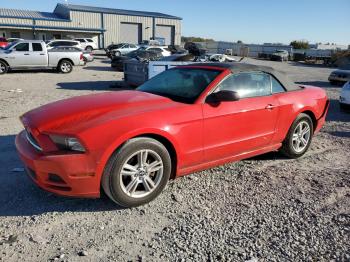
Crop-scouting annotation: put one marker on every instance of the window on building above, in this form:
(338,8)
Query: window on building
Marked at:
(57,36)
(248,84)
(22,47)
(15,35)
(37,47)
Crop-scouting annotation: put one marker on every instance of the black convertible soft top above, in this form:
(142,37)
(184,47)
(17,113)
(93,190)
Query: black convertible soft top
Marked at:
(237,67)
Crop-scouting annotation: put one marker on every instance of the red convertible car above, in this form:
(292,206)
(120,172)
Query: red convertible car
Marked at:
(190,118)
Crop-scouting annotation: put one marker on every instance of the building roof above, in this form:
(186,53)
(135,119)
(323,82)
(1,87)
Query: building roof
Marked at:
(84,8)
(237,67)
(16,13)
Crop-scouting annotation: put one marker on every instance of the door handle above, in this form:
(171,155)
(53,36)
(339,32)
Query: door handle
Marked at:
(42,54)
(26,54)
(270,107)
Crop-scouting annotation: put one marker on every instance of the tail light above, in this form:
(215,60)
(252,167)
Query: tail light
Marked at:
(81,56)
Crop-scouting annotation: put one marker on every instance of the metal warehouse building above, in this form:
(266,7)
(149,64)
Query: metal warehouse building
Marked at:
(105,25)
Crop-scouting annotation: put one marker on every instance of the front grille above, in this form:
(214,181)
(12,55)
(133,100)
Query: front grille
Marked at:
(32,141)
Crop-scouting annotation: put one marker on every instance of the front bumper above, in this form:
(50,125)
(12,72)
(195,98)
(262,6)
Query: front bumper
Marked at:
(63,174)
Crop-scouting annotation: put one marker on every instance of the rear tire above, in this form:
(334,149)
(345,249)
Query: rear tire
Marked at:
(89,49)
(65,67)
(299,137)
(3,68)
(137,172)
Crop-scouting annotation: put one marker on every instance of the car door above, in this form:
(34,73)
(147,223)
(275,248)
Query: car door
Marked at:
(125,49)
(133,48)
(237,127)
(20,55)
(38,55)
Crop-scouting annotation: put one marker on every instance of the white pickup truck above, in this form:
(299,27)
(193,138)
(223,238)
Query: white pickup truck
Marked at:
(33,54)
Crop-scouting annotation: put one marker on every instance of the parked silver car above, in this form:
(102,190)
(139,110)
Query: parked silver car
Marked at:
(33,54)
(55,43)
(280,55)
(339,76)
(87,56)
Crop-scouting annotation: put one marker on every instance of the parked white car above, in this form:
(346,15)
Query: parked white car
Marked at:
(344,99)
(162,49)
(87,44)
(33,54)
(55,43)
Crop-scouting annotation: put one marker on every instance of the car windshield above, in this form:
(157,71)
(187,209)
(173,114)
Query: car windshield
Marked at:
(180,84)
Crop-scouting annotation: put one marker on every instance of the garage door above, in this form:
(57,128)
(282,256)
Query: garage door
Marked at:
(167,32)
(130,33)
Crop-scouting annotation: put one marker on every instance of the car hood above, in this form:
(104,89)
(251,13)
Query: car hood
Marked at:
(69,114)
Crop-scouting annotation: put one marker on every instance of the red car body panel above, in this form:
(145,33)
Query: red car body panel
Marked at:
(200,134)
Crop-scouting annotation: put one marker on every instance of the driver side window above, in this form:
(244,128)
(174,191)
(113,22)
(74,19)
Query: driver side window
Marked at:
(22,47)
(251,84)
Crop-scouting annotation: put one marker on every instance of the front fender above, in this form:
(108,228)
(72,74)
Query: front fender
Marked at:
(127,136)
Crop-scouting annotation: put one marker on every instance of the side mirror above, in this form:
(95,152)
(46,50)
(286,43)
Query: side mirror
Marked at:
(223,96)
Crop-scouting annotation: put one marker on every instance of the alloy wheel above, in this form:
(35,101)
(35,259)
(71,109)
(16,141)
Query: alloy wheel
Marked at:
(2,68)
(301,136)
(66,67)
(141,173)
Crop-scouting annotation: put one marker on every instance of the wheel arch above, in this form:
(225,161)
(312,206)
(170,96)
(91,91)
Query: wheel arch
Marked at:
(3,60)
(159,135)
(62,59)
(312,116)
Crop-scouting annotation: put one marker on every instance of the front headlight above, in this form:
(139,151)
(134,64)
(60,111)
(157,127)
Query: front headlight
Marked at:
(67,143)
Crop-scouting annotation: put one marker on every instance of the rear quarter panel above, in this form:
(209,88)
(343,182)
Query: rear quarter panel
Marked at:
(55,57)
(293,103)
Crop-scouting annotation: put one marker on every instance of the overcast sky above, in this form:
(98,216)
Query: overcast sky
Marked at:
(252,21)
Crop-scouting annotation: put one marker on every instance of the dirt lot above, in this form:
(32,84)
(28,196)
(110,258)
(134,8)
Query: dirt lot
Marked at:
(262,209)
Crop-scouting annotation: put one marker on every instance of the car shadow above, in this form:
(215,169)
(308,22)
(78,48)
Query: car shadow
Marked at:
(20,197)
(301,64)
(343,134)
(32,71)
(324,84)
(106,61)
(99,68)
(269,156)
(336,114)
(94,85)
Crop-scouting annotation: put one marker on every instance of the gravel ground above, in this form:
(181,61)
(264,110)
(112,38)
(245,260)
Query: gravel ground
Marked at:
(263,209)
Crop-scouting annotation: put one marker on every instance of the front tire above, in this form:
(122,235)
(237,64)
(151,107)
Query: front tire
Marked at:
(65,67)
(3,68)
(299,137)
(137,172)
(89,49)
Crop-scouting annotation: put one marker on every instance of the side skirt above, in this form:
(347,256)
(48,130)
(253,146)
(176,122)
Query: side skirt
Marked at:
(207,165)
